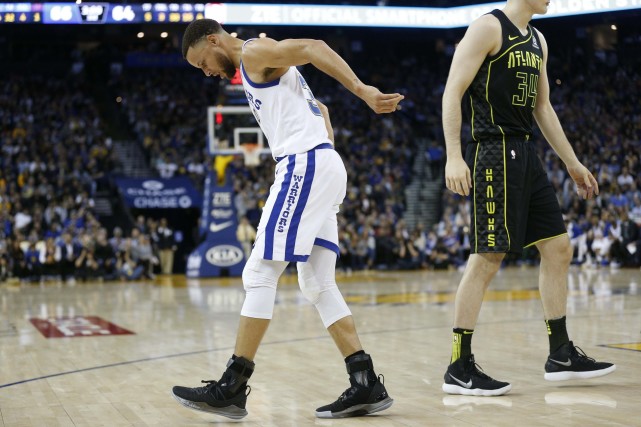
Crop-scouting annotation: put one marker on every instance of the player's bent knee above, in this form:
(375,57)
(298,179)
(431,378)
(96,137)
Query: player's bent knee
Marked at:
(331,305)
(309,286)
(260,273)
(324,295)
(260,278)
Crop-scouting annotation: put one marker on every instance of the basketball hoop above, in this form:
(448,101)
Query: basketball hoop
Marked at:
(251,153)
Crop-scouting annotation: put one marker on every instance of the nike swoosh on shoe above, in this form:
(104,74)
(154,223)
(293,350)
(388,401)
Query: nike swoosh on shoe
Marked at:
(466,385)
(568,363)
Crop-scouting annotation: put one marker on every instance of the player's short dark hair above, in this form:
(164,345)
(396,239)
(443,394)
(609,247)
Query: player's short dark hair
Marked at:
(198,30)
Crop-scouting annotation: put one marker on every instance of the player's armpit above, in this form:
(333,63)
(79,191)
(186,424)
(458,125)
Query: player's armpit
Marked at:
(328,123)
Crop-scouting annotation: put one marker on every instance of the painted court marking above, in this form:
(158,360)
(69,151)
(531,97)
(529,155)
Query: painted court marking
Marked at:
(77,326)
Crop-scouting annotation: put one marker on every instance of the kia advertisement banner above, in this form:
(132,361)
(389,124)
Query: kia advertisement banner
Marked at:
(159,193)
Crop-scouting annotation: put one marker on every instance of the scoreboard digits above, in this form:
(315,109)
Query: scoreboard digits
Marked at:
(99,13)
(123,14)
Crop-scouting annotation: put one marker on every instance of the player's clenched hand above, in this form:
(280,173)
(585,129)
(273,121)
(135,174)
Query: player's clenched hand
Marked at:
(586,184)
(378,101)
(457,176)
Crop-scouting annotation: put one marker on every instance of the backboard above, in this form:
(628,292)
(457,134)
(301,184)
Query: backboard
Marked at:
(229,127)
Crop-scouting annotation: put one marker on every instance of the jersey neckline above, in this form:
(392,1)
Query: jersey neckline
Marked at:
(254,84)
(515,28)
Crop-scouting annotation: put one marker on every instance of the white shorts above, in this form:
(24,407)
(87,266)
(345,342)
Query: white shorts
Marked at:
(301,209)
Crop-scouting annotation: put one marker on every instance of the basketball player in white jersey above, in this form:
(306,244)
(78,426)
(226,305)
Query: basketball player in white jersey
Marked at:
(298,223)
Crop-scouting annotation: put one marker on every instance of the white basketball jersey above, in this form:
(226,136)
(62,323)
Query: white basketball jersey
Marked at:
(287,112)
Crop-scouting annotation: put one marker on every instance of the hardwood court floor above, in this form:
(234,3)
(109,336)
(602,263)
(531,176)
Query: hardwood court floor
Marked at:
(184,331)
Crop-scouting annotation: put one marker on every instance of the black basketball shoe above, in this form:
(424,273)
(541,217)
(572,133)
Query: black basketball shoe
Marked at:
(465,377)
(358,401)
(212,398)
(571,363)
(226,397)
(366,395)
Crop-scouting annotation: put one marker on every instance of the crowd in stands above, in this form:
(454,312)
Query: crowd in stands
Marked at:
(54,157)
(83,251)
(167,111)
(49,228)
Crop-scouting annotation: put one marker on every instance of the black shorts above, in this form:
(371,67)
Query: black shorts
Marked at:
(513,202)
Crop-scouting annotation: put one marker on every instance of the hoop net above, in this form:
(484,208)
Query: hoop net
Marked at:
(251,154)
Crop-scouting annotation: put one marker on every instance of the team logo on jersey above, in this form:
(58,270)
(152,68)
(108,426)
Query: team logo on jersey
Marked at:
(535,44)
(294,192)
(309,96)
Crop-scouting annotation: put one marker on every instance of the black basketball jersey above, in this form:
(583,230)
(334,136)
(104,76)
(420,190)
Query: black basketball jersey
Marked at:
(503,93)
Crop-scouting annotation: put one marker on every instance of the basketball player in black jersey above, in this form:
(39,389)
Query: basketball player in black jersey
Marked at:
(501,64)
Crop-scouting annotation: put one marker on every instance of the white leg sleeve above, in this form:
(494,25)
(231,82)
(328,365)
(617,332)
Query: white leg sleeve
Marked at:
(317,281)
(260,278)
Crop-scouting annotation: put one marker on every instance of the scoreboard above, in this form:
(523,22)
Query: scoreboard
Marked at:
(81,12)
(99,13)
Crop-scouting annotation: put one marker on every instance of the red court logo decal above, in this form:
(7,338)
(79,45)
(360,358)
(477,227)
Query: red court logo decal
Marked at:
(77,326)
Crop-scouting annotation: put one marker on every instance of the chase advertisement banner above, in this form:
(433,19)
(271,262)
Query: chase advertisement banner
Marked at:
(159,193)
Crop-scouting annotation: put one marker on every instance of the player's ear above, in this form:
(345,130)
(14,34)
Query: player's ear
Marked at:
(213,39)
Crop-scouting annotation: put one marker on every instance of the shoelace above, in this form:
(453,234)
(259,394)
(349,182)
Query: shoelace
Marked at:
(217,389)
(477,370)
(348,393)
(578,352)
(352,390)
(213,388)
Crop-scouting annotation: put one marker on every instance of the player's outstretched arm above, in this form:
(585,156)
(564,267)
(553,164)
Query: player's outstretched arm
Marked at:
(482,37)
(267,53)
(550,126)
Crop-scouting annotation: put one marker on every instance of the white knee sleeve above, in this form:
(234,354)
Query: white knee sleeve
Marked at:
(318,285)
(310,286)
(260,278)
(331,306)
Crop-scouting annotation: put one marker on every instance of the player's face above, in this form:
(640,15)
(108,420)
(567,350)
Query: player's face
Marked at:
(212,59)
(539,7)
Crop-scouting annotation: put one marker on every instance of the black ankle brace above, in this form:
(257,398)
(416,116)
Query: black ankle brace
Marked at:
(238,372)
(241,366)
(359,362)
(361,369)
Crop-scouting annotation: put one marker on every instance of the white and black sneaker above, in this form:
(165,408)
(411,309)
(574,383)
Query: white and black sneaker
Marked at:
(465,377)
(571,363)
